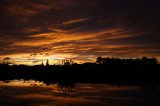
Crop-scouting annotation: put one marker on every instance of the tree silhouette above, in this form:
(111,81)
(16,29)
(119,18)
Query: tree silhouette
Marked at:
(8,61)
(47,63)
(67,62)
(118,61)
(99,60)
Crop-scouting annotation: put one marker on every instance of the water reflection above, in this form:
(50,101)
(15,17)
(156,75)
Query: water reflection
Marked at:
(21,83)
(36,93)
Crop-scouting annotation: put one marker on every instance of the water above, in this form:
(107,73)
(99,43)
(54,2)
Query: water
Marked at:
(35,93)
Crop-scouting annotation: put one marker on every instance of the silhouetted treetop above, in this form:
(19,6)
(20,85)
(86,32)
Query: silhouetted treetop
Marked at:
(118,61)
(8,61)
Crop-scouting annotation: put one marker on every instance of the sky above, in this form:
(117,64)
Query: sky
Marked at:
(32,31)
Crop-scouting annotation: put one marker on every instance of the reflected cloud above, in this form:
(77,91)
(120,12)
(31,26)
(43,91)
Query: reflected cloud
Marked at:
(84,94)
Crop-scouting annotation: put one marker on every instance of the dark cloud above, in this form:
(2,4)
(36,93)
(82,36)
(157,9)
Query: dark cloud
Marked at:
(81,27)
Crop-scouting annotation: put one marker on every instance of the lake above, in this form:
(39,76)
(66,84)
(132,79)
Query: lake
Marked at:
(36,93)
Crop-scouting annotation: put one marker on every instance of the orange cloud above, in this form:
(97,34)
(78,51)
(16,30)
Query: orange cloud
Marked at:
(27,9)
(75,21)
(61,44)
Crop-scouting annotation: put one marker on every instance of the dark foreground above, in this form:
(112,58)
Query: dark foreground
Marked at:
(35,93)
(80,85)
(144,75)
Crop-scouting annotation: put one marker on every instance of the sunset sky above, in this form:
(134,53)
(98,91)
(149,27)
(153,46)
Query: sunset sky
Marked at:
(32,31)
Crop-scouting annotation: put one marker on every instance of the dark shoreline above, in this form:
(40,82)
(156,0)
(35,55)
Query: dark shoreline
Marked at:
(145,75)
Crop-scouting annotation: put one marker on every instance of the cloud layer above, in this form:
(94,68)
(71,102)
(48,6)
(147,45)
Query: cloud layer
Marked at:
(79,29)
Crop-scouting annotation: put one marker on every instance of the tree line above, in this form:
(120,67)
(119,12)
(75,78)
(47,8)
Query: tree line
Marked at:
(118,61)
